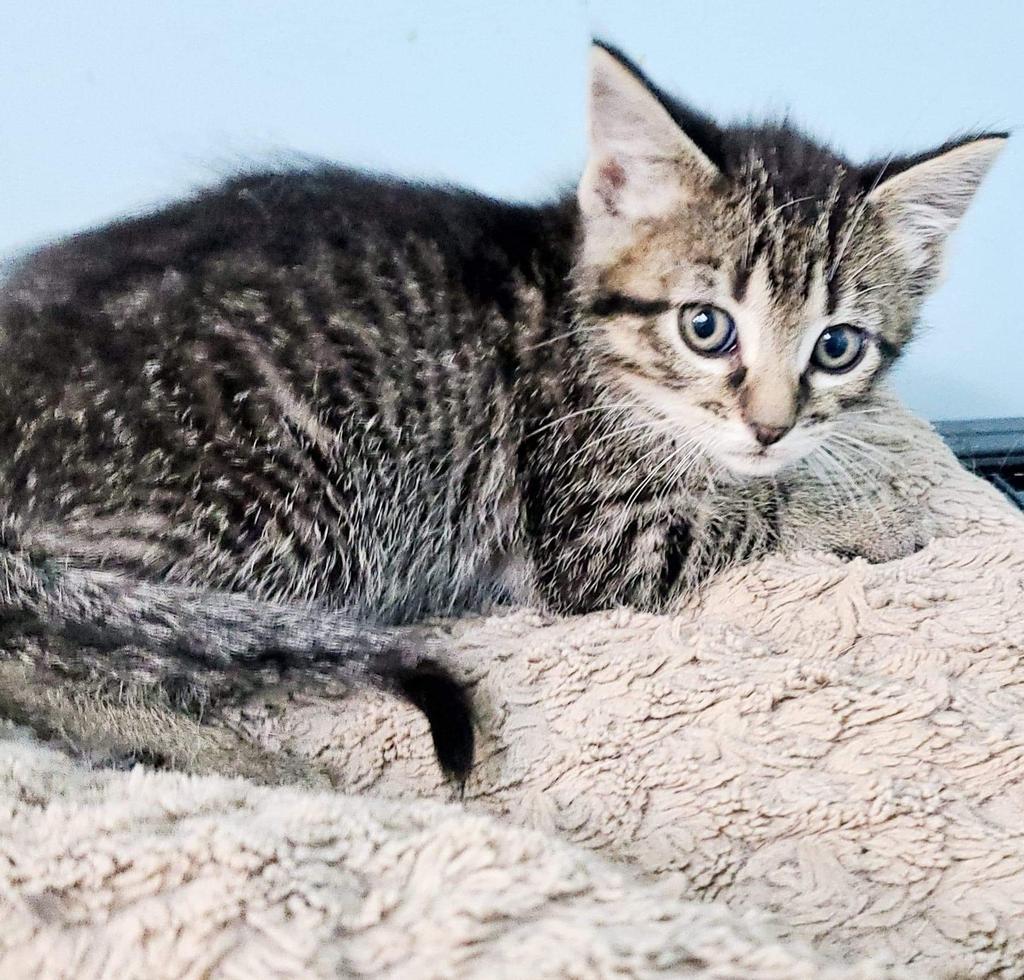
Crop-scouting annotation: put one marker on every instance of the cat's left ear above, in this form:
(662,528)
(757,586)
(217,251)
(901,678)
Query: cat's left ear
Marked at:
(924,201)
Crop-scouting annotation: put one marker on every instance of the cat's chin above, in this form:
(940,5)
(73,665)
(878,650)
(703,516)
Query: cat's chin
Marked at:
(753,464)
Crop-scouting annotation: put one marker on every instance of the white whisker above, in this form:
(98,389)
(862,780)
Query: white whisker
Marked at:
(582,328)
(618,406)
(872,259)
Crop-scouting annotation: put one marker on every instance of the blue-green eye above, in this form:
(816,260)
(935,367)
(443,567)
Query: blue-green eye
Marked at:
(707,329)
(839,348)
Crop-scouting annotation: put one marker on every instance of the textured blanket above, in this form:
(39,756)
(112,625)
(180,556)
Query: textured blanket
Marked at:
(815,769)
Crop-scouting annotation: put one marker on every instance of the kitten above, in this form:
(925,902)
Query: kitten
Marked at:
(276,422)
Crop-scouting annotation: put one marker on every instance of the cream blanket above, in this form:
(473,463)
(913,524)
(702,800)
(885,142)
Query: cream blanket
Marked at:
(816,770)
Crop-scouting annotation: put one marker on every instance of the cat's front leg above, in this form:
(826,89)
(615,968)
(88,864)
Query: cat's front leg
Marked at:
(603,556)
(882,492)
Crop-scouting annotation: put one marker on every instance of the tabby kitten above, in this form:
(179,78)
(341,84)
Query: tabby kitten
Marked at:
(275,422)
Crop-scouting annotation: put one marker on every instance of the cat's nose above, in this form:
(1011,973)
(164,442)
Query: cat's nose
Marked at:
(768,435)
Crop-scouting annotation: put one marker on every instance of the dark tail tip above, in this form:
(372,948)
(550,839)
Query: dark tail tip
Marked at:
(449,711)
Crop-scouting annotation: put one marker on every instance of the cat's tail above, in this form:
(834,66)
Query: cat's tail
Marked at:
(181,630)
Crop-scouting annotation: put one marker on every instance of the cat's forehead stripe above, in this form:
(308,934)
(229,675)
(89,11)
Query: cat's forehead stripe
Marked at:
(740,280)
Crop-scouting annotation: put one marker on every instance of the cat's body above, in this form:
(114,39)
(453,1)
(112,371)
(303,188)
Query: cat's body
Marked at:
(329,387)
(394,401)
(299,385)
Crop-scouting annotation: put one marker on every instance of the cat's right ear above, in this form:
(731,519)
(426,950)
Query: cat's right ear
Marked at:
(641,164)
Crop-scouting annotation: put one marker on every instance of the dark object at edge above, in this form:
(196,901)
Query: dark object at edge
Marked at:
(991,448)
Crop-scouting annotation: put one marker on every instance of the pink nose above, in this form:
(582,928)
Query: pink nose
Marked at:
(767,435)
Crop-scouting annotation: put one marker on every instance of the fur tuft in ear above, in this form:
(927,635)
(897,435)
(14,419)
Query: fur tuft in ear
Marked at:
(924,202)
(641,163)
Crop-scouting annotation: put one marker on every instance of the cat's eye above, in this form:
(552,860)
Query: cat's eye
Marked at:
(707,329)
(839,348)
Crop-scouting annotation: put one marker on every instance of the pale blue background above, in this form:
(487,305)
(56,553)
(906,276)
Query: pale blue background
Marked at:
(107,107)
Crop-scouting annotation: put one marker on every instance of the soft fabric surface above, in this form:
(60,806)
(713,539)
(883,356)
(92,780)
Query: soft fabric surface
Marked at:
(835,744)
(156,875)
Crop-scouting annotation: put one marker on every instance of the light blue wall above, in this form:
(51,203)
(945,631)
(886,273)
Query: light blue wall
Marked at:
(108,106)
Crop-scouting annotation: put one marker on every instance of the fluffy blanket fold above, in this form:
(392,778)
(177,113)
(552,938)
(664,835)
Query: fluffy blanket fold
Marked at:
(815,769)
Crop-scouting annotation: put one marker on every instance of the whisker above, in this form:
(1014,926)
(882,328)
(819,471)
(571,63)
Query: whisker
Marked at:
(871,260)
(857,217)
(688,450)
(843,467)
(581,411)
(884,458)
(870,289)
(647,427)
(582,328)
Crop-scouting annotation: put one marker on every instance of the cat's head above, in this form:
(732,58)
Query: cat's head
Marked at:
(749,286)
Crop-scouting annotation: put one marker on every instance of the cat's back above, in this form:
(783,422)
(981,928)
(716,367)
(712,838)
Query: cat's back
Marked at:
(205,360)
(287,219)
(322,262)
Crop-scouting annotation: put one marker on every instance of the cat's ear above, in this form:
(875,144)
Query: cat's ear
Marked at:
(923,202)
(641,164)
